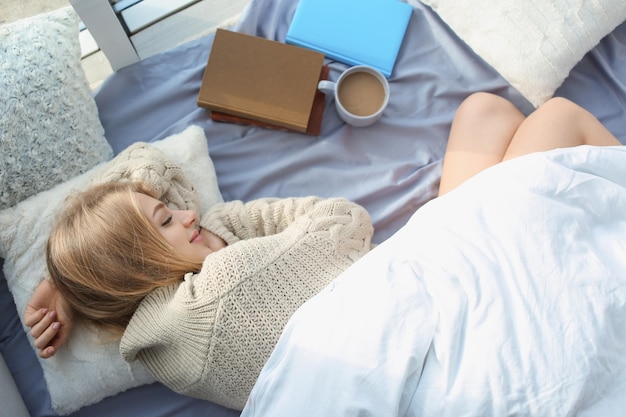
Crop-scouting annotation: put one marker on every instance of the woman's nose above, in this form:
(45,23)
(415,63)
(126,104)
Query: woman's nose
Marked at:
(189,218)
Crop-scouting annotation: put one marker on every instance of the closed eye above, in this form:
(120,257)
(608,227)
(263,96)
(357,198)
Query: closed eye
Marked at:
(167,221)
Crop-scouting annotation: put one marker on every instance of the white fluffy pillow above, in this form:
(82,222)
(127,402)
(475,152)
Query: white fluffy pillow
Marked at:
(87,369)
(49,126)
(533,44)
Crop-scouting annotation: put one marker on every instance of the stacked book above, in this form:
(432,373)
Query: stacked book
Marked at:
(255,81)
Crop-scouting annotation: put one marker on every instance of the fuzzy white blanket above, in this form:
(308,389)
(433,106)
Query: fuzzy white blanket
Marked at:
(533,44)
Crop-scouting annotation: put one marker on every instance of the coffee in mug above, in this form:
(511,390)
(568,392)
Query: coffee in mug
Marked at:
(361,94)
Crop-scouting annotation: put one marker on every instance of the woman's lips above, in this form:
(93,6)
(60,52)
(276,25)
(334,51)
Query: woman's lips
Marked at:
(197,237)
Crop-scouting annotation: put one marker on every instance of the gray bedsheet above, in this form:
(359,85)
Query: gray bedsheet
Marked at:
(392,167)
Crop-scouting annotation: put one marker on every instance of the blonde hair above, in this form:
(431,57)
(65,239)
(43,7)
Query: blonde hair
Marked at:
(104,255)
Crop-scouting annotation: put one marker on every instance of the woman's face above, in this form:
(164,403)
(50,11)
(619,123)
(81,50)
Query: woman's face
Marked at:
(179,228)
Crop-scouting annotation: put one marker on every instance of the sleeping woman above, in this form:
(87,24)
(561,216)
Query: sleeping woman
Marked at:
(202,301)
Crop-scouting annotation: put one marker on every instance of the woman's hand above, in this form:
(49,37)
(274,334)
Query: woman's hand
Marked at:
(212,241)
(49,319)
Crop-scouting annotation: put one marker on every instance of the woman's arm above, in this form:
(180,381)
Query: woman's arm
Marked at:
(236,220)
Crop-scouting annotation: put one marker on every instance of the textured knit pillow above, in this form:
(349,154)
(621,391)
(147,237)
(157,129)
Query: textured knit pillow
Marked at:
(90,368)
(49,126)
(533,44)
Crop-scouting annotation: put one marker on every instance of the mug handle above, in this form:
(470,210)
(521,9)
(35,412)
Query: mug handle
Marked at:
(327,87)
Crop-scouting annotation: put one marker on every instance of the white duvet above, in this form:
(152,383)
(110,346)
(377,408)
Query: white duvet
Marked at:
(505,297)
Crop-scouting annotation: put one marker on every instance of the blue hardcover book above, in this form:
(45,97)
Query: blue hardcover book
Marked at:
(355,32)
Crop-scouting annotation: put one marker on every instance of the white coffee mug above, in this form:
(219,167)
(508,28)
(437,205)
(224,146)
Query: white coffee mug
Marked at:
(361,95)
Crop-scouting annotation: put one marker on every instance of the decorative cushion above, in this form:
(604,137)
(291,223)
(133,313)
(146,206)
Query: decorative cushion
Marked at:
(49,126)
(533,44)
(90,367)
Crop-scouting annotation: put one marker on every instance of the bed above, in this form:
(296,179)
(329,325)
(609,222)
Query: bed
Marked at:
(392,168)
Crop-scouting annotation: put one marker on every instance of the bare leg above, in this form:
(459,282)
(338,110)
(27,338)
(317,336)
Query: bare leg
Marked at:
(559,123)
(488,129)
(481,132)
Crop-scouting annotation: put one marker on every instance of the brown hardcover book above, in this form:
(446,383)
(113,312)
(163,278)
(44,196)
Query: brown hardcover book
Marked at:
(259,79)
(315,119)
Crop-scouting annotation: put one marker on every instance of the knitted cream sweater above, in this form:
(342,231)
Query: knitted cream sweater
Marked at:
(210,336)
